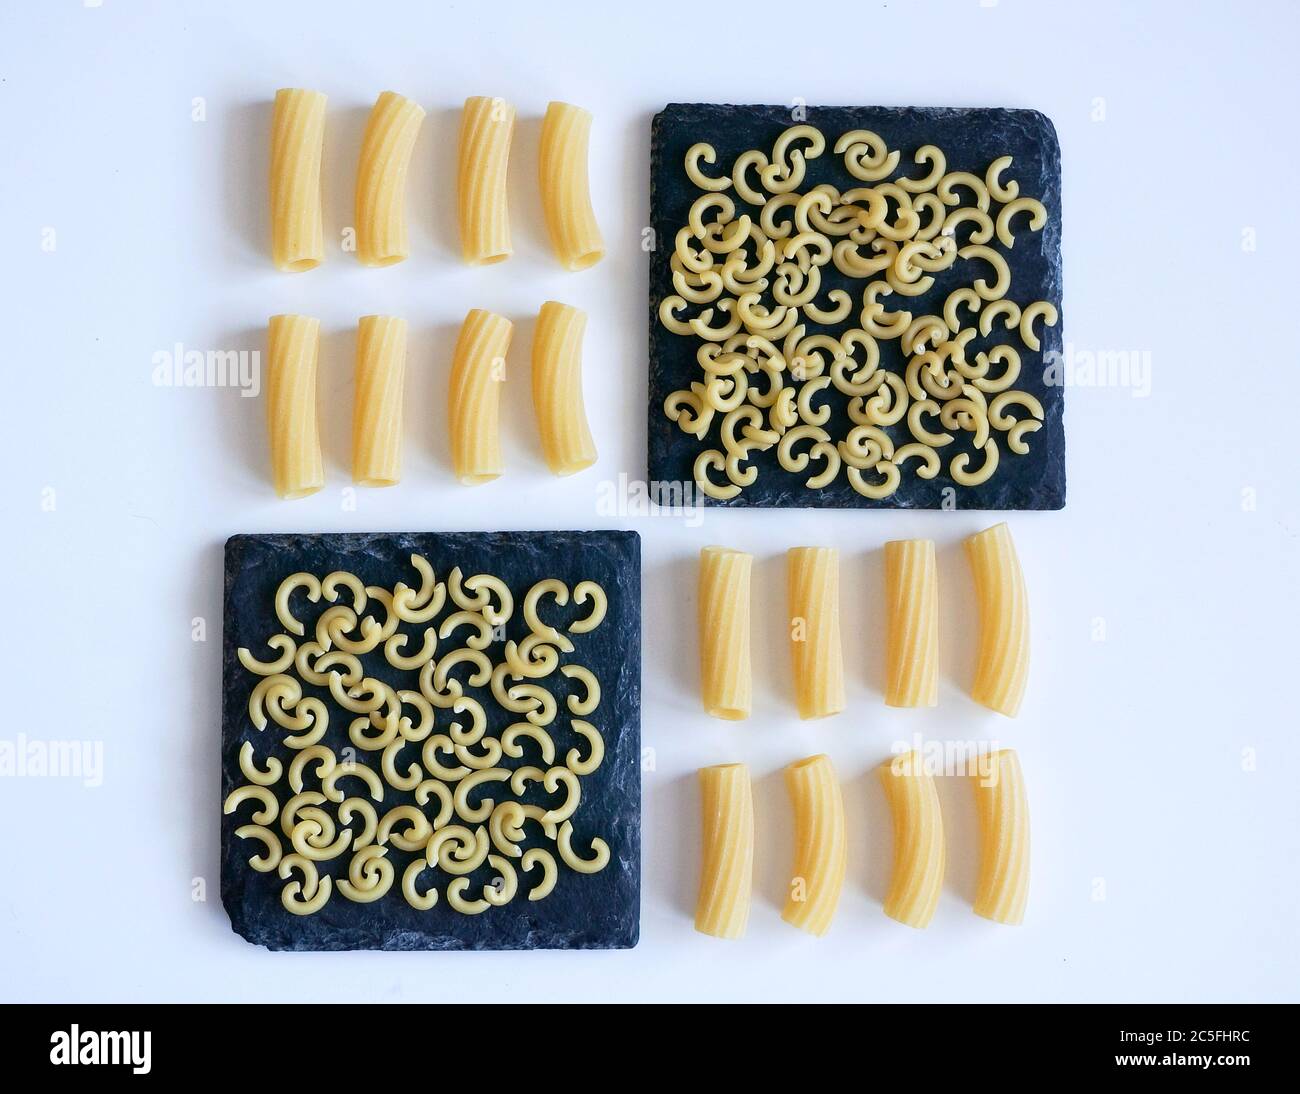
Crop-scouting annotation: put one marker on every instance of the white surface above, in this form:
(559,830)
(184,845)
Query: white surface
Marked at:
(1133,746)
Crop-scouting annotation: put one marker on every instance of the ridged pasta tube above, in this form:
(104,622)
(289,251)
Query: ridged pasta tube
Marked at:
(918,840)
(726,680)
(1003,885)
(813,576)
(377,415)
(486,126)
(557,389)
(566,191)
(297,140)
(386,146)
(474,402)
(727,862)
(1003,665)
(293,348)
(821,844)
(912,624)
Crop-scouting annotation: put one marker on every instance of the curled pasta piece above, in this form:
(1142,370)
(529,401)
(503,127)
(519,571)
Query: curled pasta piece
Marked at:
(359,807)
(1037,218)
(285,591)
(595,750)
(866,155)
(308,896)
(938,162)
(351,769)
(1040,309)
(998,416)
(890,479)
(957,468)
(709,155)
(999,287)
(283,643)
(320,755)
(252,792)
(591,689)
(582,592)
(421,902)
(271,775)
(533,858)
(712,459)
(599,852)
(930,463)
(998,190)
(457,850)
(268,860)
(394,646)
(370,875)
(947,186)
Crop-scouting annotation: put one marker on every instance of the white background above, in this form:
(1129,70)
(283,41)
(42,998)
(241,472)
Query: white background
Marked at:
(1159,734)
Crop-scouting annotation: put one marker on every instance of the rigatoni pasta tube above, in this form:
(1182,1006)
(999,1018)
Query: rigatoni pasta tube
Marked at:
(1002,668)
(486,126)
(474,402)
(911,624)
(557,389)
(293,348)
(918,840)
(726,680)
(813,576)
(727,862)
(821,844)
(566,191)
(297,139)
(1003,886)
(386,148)
(377,414)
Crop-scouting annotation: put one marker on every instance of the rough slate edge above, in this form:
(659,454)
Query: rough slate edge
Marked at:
(1035,481)
(596,911)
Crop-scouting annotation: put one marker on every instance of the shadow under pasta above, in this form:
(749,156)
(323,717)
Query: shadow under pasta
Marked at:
(584,911)
(971,140)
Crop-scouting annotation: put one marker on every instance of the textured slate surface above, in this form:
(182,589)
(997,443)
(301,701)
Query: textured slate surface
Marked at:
(971,140)
(596,911)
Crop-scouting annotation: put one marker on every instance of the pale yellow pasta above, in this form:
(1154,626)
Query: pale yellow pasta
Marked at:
(727,855)
(486,127)
(474,401)
(297,139)
(1043,309)
(725,673)
(270,858)
(248,765)
(421,902)
(911,624)
(1003,886)
(918,840)
(813,577)
(377,414)
(386,147)
(1002,668)
(566,195)
(293,347)
(821,844)
(283,643)
(557,389)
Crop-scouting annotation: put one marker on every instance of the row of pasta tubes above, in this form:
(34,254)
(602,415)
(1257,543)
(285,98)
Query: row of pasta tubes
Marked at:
(821,844)
(911,626)
(473,405)
(382,237)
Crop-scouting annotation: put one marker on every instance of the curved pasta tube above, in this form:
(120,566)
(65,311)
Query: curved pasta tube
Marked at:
(419,605)
(534,857)
(727,858)
(890,478)
(1037,218)
(958,467)
(814,580)
(582,592)
(413,838)
(479,813)
(599,852)
(308,896)
(927,153)
(557,389)
(320,755)
(918,840)
(297,140)
(1039,309)
(1002,668)
(998,190)
(474,404)
(709,155)
(1003,886)
(386,146)
(377,414)
(248,766)
(911,624)
(821,844)
(595,750)
(486,126)
(930,463)
(511,746)
(260,794)
(412,662)
(457,850)
(724,624)
(293,350)
(566,197)
(866,155)
(285,591)
(421,902)
(999,287)
(370,875)
(353,807)
(434,788)
(267,861)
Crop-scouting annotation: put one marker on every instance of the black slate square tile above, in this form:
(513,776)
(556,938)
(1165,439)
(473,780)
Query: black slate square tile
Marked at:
(585,911)
(971,140)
